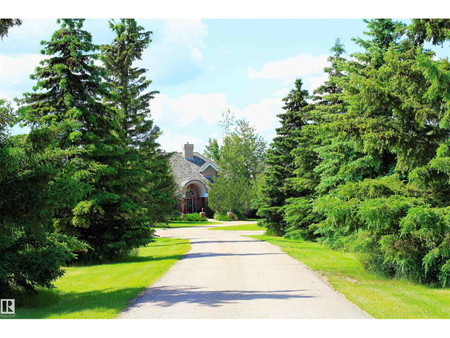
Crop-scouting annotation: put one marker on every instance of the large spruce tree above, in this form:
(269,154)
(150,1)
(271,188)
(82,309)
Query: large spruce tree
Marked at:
(313,168)
(70,91)
(149,182)
(32,190)
(280,161)
(396,207)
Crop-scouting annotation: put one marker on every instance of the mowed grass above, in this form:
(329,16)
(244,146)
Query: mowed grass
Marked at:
(184,224)
(251,226)
(378,296)
(102,291)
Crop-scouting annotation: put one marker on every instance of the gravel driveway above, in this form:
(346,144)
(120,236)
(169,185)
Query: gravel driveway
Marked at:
(229,276)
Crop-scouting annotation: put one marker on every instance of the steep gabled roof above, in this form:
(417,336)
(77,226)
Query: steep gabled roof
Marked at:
(206,165)
(184,170)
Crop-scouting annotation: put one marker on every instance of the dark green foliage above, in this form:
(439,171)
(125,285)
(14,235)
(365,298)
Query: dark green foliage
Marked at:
(222,217)
(375,174)
(391,192)
(6,24)
(70,92)
(191,218)
(277,188)
(319,157)
(31,192)
(208,211)
(149,184)
(435,30)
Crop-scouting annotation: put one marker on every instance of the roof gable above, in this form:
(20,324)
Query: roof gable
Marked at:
(207,165)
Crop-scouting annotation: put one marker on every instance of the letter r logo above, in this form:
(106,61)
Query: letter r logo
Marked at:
(8,307)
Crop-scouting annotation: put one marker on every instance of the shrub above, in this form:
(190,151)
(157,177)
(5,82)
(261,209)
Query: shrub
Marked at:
(191,218)
(400,233)
(221,217)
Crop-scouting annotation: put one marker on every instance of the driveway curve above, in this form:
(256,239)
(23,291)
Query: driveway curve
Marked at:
(226,276)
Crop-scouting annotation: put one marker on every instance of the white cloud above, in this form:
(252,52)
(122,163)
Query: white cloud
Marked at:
(303,65)
(188,32)
(208,109)
(280,93)
(263,114)
(170,141)
(189,108)
(196,54)
(16,69)
(316,82)
(30,29)
(177,52)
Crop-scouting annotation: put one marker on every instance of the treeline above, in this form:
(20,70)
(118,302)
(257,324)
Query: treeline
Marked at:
(363,163)
(89,179)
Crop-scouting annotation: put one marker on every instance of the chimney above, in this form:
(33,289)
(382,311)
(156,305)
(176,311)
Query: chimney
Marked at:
(188,151)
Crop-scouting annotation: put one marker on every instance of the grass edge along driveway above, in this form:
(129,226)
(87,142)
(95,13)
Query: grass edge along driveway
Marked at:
(380,297)
(184,224)
(241,227)
(102,291)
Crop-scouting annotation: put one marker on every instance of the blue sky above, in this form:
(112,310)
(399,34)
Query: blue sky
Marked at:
(204,67)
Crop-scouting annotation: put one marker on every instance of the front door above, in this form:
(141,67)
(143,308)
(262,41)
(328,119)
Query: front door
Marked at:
(190,205)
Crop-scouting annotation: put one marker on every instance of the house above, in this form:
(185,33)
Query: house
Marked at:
(192,172)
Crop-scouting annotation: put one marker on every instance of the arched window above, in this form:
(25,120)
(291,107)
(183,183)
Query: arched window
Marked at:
(190,193)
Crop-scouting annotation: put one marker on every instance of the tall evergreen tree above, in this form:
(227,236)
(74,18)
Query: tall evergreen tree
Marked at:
(280,161)
(32,190)
(149,182)
(397,104)
(313,169)
(70,91)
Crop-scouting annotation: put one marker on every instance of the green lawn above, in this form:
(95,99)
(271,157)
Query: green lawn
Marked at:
(102,291)
(378,296)
(185,224)
(240,227)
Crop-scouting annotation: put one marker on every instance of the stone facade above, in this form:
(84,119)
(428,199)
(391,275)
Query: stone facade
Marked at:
(193,173)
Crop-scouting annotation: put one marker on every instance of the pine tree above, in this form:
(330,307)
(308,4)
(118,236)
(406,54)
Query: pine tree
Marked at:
(391,196)
(149,182)
(280,161)
(435,30)
(32,190)
(313,139)
(70,91)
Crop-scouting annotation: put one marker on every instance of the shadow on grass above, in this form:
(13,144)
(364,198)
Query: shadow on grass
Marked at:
(133,259)
(46,303)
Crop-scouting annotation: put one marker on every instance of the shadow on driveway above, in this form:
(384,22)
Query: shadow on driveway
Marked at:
(168,296)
